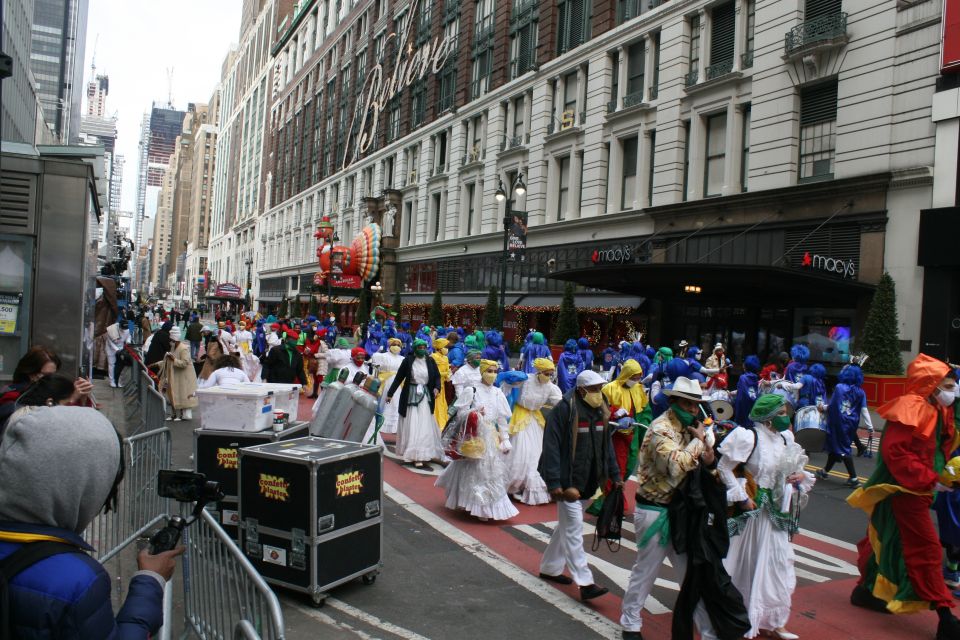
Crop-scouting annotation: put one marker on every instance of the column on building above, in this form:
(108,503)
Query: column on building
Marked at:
(573,195)
(704,45)
(553,184)
(643,168)
(614,176)
(740,33)
(697,156)
(734,158)
(491,132)
(593,173)
(623,59)
(510,119)
(581,99)
(535,173)
(649,66)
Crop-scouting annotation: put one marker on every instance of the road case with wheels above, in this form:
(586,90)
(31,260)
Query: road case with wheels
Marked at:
(310,510)
(217,453)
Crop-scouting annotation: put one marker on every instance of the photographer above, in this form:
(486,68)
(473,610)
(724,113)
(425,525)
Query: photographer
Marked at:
(59,466)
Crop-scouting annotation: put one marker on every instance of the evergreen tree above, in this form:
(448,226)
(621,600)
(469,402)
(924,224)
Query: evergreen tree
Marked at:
(363,307)
(312,309)
(282,309)
(491,315)
(436,310)
(881,335)
(567,325)
(397,306)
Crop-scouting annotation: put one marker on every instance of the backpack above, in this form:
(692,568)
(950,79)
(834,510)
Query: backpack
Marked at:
(610,520)
(18,561)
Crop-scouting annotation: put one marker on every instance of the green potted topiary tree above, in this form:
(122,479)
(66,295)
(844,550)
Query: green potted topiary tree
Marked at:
(883,371)
(567,325)
(436,309)
(282,309)
(491,315)
(397,307)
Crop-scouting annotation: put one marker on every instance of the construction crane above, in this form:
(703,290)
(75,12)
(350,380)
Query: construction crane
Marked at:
(170,87)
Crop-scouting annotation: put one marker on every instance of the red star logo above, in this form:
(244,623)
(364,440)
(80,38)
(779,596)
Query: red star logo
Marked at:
(595,258)
(807,260)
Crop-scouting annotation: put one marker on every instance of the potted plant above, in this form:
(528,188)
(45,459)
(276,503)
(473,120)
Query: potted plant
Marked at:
(568,327)
(883,377)
(436,310)
(491,314)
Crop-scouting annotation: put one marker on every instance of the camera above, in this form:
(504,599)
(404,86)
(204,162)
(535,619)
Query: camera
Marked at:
(182,486)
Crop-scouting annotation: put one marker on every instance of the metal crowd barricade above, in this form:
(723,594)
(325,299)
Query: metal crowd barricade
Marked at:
(153,404)
(224,596)
(139,508)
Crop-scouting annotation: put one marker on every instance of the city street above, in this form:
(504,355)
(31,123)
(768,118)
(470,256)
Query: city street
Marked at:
(449,575)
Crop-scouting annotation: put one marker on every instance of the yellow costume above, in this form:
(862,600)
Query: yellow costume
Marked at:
(439,356)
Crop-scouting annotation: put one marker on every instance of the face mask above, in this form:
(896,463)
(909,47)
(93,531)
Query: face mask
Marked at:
(489,377)
(544,378)
(444,351)
(358,361)
(474,363)
(945,397)
(629,384)
(686,419)
(420,353)
(781,423)
(394,350)
(593,398)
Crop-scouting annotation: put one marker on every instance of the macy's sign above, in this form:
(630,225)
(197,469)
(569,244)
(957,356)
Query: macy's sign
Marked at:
(845,268)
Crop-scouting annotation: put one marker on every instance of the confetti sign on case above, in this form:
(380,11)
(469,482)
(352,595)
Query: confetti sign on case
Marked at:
(274,487)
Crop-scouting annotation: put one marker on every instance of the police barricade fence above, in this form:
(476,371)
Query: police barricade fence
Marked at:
(224,595)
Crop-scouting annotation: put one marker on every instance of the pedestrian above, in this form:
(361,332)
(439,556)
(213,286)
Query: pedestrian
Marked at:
(418,437)
(899,559)
(37,362)
(760,559)
(537,394)
(59,467)
(195,337)
(674,447)
(577,458)
(848,406)
(211,352)
(178,378)
(159,345)
(117,338)
(284,364)
(227,370)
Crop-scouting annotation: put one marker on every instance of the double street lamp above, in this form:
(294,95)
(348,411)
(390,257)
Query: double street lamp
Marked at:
(519,188)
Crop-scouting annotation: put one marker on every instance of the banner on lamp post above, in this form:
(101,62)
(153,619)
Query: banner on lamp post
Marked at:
(517,235)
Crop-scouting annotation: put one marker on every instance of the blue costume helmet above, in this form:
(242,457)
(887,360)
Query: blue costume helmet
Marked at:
(570,346)
(693,352)
(800,353)
(583,343)
(851,375)
(493,338)
(818,371)
(676,368)
(751,364)
(651,353)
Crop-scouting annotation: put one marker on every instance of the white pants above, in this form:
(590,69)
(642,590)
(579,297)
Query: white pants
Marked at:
(649,560)
(566,545)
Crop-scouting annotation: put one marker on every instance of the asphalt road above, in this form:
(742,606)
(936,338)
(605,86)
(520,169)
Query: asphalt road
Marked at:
(446,575)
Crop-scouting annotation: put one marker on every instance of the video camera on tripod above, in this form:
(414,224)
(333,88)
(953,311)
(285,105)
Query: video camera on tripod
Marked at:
(182,486)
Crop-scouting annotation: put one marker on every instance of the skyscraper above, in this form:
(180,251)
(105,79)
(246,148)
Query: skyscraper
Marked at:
(158,136)
(56,59)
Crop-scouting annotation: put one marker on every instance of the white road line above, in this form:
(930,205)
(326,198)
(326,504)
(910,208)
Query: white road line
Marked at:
(325,619)
(373,621)
(812,577)
(827,562)
(824,538)
(588,617)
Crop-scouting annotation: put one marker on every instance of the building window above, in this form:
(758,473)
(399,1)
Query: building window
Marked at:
(448,75)
(818,130)
(471,191)
(563,193)
(570,92)
(747,55)
(745,145)
(393,121)
(441,152)
(636,55)
(573,27)
(686,160)
(650,163)
(423,27)
(436,216)
(628,184)
(716,154)
(615,83)
(482,53)
(482,70)
(819,8)
(523,47)
(722,40)
(519,115)
(654,86)
(628,9)
(694,60)
(418,102)
(408,216)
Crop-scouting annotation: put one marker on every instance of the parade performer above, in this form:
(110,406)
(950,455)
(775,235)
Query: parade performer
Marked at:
(357,364)
(284,364)
(814,391)
(375,339)
(423,333)
(260,340)
(476,481)
(848,406)
(537,392)
(389,363)
(405,338)
(418,438)
(760,559)
(674,447)
(947,506)
(469,374)
(748,390)
(628,404)
(244,339)
(608,359)
(337,359)
(314,358)
(899,559)
(536,349)
(569,366)
(495,350)
(456,352)
(586,353)
(798,366)
(577,459)
(439,356)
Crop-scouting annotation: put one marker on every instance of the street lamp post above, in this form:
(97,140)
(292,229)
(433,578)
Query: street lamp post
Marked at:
(249,263)
(519,188)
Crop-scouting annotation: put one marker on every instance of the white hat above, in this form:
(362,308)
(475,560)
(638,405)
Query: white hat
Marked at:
(589,378)
(684,388)
(175,334)
(718,347)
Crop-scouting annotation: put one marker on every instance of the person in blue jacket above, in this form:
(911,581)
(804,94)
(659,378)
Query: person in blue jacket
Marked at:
(798,365)
(536,349)
(586,353)
(59,466)
(569,366)
(814,391)
(456,352)
(495,350)
(848,406)
(672,369)
(748,390)
(609,358)
(405,338)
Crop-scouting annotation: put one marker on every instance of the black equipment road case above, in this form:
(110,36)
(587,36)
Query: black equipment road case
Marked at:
(217,454)
(311,512)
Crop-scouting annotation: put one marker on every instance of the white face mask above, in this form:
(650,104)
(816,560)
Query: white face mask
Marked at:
(629,384)
(946,397)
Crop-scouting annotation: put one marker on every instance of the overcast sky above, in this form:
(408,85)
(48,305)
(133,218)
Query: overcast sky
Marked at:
(136,41)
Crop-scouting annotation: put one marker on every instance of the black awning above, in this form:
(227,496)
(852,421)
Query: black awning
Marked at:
(728,283)
(939,230)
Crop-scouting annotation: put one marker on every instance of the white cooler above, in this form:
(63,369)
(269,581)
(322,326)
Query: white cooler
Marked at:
(286,397)
(236,408)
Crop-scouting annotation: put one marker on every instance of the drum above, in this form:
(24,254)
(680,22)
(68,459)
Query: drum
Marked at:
(722,410)
(810,429)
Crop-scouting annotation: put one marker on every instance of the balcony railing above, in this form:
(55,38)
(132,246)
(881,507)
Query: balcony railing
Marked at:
(632,99)
(627,9)
(820,29)
(484,30)
(690,79)
(746,59)
(522,10)
(611,106)
(719,69)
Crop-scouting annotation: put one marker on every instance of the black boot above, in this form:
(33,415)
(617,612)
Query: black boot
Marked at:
(592,591)
(861,597)
(948,628)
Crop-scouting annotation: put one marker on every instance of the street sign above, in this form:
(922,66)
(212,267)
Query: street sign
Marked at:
(517,235)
